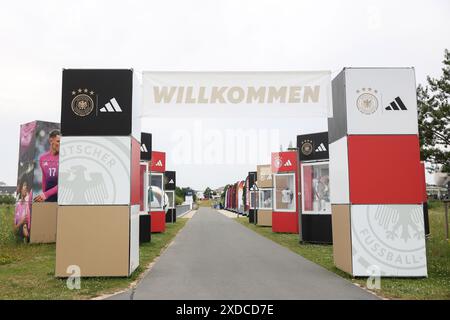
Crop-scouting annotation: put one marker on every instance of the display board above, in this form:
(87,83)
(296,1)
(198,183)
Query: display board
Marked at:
(312,146)
(265,199)
(170,181)
(264,176)
(37,180)
(170,199)
(254,200)
(284,192)
(265,183)
(144,187)
(315,188)
(158,162)
(157,188)
(103,102)
(373,101)
(146,146)
(240,194)
(375,174)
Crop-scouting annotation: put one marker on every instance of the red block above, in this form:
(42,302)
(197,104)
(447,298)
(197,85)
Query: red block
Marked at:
(135,171)
(158,221)
(284,161)
(384,169)
(158,161)
(285,222)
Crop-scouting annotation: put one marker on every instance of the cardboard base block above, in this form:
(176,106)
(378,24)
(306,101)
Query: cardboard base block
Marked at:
(316,228)
(145,234)
(97,239)
(385,239)
(285,222)
(342,242)
(43,222)
(158,223)
(264,218)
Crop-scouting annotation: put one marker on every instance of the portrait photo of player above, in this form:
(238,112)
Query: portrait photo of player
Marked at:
(22,215)
(48,164)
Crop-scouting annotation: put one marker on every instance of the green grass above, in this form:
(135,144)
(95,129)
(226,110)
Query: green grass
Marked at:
(436,286)
(27,270)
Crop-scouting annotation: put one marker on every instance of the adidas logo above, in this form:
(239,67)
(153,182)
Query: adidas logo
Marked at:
(171,181)
(321,148)
(396,105)
(288,163)
(159,163)
(111,106)
(143,148)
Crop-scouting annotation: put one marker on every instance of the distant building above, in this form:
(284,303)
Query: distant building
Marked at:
(435,192)
(8,191)
(200,195)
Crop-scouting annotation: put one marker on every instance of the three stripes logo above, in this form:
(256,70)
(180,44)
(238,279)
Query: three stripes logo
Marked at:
(144,148)
(159,163)
(321,148)
(171,181)
(396,105)
(111,106)
(288,163)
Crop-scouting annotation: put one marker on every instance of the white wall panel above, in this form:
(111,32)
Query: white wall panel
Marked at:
(339,183)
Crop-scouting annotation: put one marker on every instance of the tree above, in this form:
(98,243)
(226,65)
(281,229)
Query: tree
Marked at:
(433,102)
(207,193)
(6,199)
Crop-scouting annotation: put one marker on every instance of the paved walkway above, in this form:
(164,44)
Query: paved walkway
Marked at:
(215,257)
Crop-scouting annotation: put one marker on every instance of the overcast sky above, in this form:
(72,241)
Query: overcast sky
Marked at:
(39,38)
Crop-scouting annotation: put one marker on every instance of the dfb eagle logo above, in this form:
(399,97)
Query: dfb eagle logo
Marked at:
(400,222)
(91,184)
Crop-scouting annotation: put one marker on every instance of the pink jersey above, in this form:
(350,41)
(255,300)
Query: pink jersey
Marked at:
(49,166)
(22,212)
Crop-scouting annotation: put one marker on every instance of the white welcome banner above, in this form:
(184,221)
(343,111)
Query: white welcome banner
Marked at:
(237,94)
